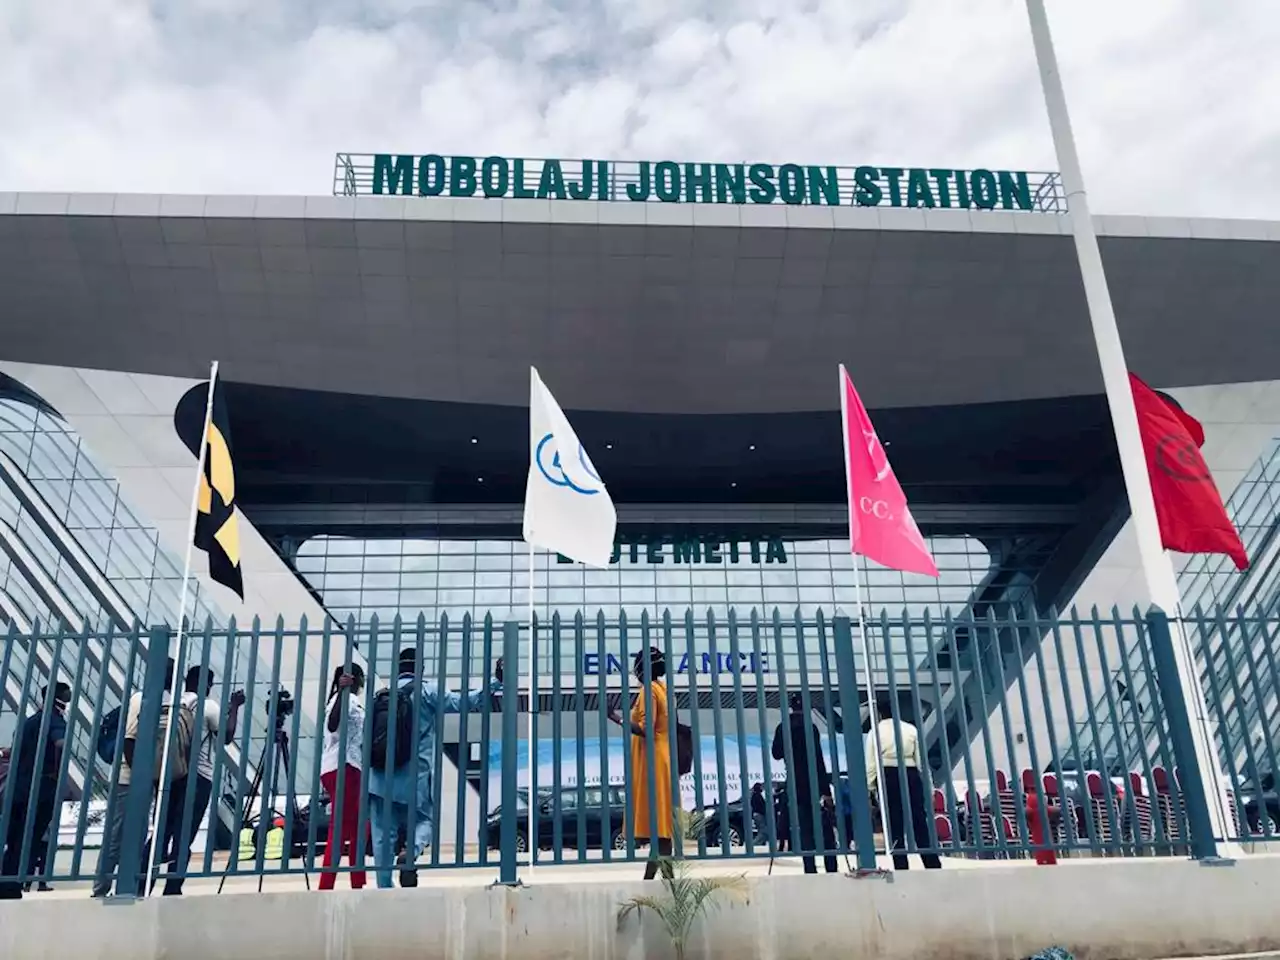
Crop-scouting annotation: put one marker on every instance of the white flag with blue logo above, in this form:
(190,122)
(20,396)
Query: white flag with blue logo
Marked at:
(566,507)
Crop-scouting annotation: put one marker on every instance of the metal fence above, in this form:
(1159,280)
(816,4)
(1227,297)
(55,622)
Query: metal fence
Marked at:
(769,713)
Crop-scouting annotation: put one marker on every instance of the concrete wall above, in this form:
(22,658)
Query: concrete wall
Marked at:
(1119,911)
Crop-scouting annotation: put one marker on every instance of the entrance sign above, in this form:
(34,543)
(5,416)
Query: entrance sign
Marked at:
(668,181)
(695,549)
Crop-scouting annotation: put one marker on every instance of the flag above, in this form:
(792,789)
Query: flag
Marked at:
(881,527)
(566,506)
(1188,505)
(217,533)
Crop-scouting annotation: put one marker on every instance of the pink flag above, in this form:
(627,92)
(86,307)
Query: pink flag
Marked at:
(881,527)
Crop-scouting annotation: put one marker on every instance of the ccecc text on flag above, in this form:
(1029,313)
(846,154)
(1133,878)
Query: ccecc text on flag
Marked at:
(668,181)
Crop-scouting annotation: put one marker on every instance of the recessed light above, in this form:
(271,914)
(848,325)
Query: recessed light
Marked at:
(608,446)
(479,479)
(752,447)
(475,439)
(734,483)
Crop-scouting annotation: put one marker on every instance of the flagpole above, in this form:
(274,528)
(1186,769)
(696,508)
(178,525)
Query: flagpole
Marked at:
(175,691)
(872,711)
(1157,570)
(533,701)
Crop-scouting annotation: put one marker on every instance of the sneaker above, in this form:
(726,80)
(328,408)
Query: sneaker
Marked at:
(408,875)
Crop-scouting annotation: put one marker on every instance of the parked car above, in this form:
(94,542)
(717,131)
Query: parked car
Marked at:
(1258,798)
(599,827)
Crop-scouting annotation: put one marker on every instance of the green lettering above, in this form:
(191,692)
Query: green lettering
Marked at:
(582,190)
(982,184)
(1015,192)
(686,551)
(824,186)
(777,553)
(495,176)
(398,170)
(521,191)
(755,551)
(551,183)
(866,187)
(894,176)
(918,192)
(711,552)
(462,176)
(604,189)
(653,551)
(617,552)
(561,558)
(667,181)
(697,183)
(962,189)
(763,189)
(791,183)
(733,551)
(942,178)
(635,551)
(641,189)
(431,176)
(731,181)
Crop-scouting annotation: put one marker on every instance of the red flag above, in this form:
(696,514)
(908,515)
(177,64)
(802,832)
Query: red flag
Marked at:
(1188,505)
(881,527)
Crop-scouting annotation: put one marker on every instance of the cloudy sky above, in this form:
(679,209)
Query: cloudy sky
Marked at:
(1174,101)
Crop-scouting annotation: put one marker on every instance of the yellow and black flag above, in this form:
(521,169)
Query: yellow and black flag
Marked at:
(216,531)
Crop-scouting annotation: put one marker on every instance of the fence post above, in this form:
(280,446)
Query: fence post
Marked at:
(855,756)
(130,868)
(1199,823)
(510,744)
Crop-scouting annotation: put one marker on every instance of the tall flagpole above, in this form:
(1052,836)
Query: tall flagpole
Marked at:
(873,714)
(533,705)
(1157,570)
(176,690)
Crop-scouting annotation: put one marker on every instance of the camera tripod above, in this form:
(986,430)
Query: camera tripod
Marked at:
(277,750)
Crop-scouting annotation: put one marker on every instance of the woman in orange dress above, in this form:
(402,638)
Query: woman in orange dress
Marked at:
(650,787)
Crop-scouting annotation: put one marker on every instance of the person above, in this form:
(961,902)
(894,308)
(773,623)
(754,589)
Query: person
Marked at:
(806,746)
(340,766)
(29,821)
(650,786)
(396,799)
(757,810)
(782,817)
(902,768)
(196,685)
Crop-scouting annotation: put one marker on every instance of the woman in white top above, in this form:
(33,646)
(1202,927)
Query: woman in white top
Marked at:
(340,767)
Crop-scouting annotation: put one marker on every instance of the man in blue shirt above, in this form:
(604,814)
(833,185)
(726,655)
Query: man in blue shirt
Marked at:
(397,801)
(29,818)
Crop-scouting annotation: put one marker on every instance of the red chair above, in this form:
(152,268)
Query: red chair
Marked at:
(942,827)
(1139,826)
(1103,807)
(1169,804)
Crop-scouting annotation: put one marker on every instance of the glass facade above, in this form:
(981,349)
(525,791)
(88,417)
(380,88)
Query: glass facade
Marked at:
(76,500)
(362,578)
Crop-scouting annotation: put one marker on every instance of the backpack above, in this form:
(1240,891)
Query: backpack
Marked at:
(406,735)
(184,726)
(108,741)
(684,748)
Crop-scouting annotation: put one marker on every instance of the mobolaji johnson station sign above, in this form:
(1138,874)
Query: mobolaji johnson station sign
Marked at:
(667,181)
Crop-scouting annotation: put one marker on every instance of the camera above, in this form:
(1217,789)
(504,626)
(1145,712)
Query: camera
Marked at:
(283,705)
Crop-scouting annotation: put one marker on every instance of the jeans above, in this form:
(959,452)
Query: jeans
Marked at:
(173,841)
(109,856)
(387,819)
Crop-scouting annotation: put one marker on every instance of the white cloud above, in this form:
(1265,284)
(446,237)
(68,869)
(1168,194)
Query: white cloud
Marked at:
(1173,100)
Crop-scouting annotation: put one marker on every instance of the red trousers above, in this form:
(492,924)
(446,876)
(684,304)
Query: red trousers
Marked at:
(343,836)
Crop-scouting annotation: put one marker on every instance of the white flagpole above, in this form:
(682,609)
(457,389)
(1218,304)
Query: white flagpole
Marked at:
(862,628)
(533,705)
(176,691)
(1157,570)
(872,711)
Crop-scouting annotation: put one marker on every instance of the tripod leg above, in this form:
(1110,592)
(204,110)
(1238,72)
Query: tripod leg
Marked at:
(255,784)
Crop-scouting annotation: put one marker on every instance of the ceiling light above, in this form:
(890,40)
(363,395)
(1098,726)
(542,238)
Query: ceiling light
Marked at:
(475,439)
(734,483)
(479,479)
(608,446)
(752,447)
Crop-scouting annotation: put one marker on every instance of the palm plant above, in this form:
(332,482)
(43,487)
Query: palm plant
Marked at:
(685,898)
